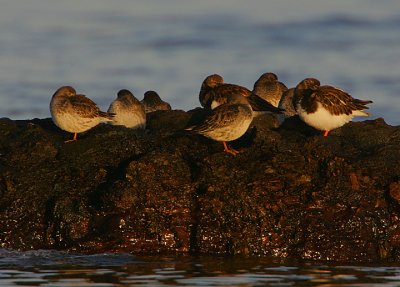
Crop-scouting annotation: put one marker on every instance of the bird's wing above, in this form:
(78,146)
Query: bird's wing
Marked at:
(230,89)
(222,93)
(338,101)
(222,116)
(85,107)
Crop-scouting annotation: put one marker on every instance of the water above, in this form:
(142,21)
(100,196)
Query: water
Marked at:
(57,268)
(101,46)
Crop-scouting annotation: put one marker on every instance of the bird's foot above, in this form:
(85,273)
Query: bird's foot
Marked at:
(230,150)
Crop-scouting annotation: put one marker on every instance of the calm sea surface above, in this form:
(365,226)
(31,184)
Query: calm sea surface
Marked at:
(54,268)
(101,46)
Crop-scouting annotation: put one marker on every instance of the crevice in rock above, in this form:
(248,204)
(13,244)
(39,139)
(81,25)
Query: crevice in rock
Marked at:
(195,214)
(113,175)
(195,166)
(48,220)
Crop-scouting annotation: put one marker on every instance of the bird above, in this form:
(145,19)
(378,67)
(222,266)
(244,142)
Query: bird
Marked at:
(152,102)
(128,110)
(326,107)
(75,113)
(227,122)
(214,92)
(269,88)
(286,103)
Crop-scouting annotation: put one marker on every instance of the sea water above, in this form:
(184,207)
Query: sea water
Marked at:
(58,268)
(101,46)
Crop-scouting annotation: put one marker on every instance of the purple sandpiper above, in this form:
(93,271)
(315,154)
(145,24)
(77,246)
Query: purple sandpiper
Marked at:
(152,102)
(75,113)
(269,88)
(128,110)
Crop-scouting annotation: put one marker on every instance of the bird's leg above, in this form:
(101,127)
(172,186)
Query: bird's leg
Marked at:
(326,133)
(230,150)
(73,140)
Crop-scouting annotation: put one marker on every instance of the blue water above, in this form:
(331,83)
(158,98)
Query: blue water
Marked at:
(55,268)
(101,46)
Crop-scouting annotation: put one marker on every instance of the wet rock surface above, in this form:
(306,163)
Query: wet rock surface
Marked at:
(290,193)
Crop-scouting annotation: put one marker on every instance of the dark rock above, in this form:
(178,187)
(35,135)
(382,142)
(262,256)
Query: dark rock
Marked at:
(290,193)
(167,120)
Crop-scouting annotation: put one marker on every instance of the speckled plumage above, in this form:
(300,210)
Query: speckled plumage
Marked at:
(75,113)
(214,92)
(326,107)
(152,102)
(269,88)
(286,103)
(227,122)
(128,110)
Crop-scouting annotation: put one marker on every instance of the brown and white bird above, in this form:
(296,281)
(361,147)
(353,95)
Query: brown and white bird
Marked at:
(214,92)
(75,113)
(152,102)
(325,107)
(227,122)
(269,88)
(128,110)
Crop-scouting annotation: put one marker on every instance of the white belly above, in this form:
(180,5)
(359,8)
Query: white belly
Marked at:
(323,120)
(128,116)
(129,120)
(75,124)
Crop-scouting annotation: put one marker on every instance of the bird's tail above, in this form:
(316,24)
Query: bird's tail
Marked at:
(108,117)
(361,105)
(361,113)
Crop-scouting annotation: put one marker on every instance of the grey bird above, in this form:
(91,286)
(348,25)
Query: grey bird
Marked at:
(75,113)
(269,88)
(152,102)
(128,110)
(227,122)
(286,103)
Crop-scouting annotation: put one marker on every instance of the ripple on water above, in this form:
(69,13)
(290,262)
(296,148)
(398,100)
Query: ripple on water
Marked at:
(57,268)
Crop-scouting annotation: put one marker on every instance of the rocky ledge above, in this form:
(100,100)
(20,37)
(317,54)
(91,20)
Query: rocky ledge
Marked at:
(291,193)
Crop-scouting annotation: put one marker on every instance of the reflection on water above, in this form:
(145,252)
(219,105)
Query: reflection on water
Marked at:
(55,268)
(100,47)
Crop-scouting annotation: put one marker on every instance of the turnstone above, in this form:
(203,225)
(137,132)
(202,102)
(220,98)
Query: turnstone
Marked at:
(227,122)
(325,107)
(269,88)
(214,92)
(75,113)
(129,112)
(152,102)
(286,103)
